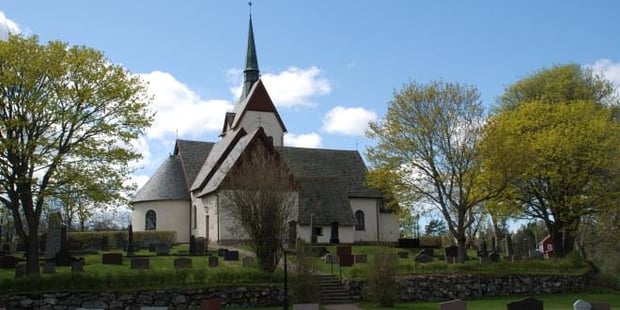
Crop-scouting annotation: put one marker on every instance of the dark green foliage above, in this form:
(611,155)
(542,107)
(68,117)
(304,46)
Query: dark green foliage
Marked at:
(305,290)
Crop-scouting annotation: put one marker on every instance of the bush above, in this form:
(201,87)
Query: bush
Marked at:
(304,289)
(381,277)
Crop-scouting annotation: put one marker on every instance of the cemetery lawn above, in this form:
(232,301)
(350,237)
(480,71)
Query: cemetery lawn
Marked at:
(570,265)
(550,302)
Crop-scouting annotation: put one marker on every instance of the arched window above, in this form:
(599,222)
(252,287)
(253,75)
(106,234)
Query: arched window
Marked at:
(359,220)
(195,217)
(151,220)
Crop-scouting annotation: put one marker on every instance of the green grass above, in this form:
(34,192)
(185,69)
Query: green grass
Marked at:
(550,302)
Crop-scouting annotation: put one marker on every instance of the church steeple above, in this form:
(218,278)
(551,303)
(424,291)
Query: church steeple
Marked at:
(251,73)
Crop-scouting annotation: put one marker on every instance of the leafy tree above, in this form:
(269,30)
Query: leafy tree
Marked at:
(262,208)
(435,227)
(562,162)
(428,142)
(67,118)
(381,277)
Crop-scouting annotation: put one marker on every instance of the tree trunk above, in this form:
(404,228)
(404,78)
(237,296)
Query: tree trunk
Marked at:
(462,249)
(32,245)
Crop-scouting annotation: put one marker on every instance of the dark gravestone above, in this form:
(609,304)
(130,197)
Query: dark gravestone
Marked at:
(152,247)
(211,304)
(112,259)
(183,262)
(453,305)
(422,257)
(213,261)
(331,259)
(130,249)
(20,247)
(201,246)
(221,252)
(6,248)
(451,252)
(528,303)
(8,262)
(77,266)
(482,249)
(408,243)
(360,258)
(321,251)
(428,251)
(343,250)
(509,249)
(600,306)
(494,257)
(493,244)
(231,256)
(140,263)
(20,271)
(247,261)
(403,254)
(53,239)
(192,245)
(74,245)
(346,260)
(105,243)
(49,267)
(162,249)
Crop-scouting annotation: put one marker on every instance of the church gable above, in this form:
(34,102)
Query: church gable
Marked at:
(258,100)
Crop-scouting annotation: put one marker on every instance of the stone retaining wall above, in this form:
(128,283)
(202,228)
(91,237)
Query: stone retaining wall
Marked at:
(242,296)
(448,287)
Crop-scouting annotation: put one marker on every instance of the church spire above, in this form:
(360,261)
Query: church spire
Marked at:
(251,73)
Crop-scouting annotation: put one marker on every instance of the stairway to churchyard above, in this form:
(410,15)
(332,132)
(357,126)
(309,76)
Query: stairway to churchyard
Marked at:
(332,291)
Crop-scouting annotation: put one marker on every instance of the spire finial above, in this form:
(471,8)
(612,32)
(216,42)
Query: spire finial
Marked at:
(250,5)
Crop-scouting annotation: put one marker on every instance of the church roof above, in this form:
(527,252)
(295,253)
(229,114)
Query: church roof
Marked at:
(321,163)
(325,200)
(257,100)
(193,155)
(167,183)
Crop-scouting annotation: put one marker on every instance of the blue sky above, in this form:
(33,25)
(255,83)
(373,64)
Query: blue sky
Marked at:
(330,66)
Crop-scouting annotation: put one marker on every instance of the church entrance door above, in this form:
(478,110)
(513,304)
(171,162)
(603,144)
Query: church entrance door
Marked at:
(207,228)
(334,236)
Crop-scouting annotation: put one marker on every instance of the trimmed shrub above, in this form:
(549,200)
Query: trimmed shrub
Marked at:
(304,289)
(381,277)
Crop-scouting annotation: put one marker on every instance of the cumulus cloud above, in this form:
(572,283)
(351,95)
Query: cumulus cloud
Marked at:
(348,121)
(607,69)
(7,26)
(293,87)
(311,140)
(180,110)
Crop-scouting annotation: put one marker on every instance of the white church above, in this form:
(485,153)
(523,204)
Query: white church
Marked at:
(333,203)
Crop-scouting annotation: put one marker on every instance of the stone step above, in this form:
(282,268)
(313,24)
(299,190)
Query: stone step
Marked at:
(332,291)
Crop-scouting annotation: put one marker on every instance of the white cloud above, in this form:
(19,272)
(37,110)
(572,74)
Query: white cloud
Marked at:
(138,180)
(7,26)
(292,87)
(311,140)
(180,110)
(607,69)
(348,121)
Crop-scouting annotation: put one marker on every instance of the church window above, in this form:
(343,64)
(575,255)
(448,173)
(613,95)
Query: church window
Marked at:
(318,231)
(151,220)
(195,217)
(359,220)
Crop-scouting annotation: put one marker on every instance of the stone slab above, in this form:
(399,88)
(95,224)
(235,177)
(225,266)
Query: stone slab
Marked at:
(211,304)
(231,256)
(183,262)
(528,303)
(306,307)
(453,305)
(112,259)
(140,263)
(213,261)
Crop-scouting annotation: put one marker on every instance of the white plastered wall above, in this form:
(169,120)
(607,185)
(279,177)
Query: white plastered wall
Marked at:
(267,120)
(389,227)
(369,207)
(345,233)
(171,215)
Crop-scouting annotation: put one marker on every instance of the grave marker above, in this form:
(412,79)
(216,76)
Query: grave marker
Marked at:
(162,249)
(140,263)
(20,271)
(360,258)
(49,267)
(346,260)
(306,307)
(77,266)
(528,303)
(581,305)
(201,246)
(343,250)
(213,261)
(453,305)
(247,261)
(211,304)
(54,236)
(231,256)
(221,252)
(600,306)
(183,262)
(8,262)
(112,259)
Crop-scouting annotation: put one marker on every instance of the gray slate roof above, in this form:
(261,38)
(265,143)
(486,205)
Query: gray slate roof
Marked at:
(167,183)
(193,155)
(325,199)
(215,157)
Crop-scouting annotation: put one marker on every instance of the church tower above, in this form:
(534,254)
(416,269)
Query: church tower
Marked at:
(254,109)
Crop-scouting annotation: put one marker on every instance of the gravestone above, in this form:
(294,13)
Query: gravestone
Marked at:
(343,250)
(130,249)
(221,252)
(509,249)
(231,255)
(213,261)
(528,303)
(360,258)
(408,243)
(77,266)
(49,267)
(422,257)
(192,245)
(140,263)
(403,254)
(321,251)
(211,304)
(53,237)
(494,257)
(493,244)
(306,307)
(112,259)
(152,247)
(482,250)
(346,260)
(20,247)
(63,257)
(162,249)
(484,260)
(247,261)
(600,306)
(201,246)
(331,259)
(20,271)
(453,305)
(8,262)
(428,251)
(581,305)
(183,262)
(451,252)
(6,248)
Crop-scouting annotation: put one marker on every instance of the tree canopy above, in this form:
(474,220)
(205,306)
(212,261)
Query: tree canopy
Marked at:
(427,142)
(67,119)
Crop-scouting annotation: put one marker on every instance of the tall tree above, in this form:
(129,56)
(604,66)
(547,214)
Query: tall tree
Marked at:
(259,194)
(563,159)
(428,140)
(67,118)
